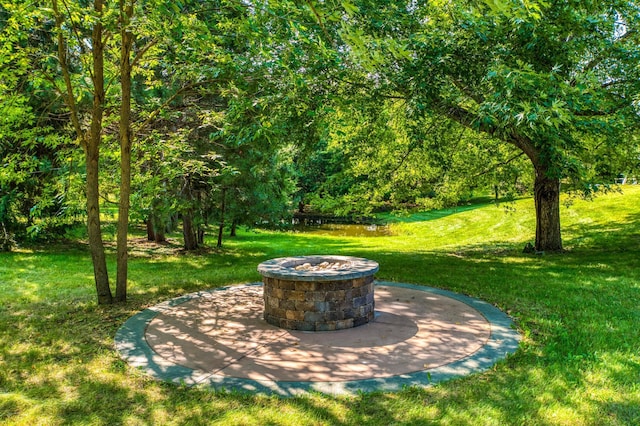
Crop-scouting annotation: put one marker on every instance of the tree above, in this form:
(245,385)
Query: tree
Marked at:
(256,143)
(85,51)
(90,139)
(214,147)
(72,37)
(544,83)
(38,192)
(126,10)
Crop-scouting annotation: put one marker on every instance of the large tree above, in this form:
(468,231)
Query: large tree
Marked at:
(546,82)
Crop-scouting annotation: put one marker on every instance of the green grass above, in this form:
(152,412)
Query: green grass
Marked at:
(579,313)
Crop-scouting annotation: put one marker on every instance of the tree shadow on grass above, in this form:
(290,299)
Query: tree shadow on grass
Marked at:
(620,236)
(524,392)
(425,216)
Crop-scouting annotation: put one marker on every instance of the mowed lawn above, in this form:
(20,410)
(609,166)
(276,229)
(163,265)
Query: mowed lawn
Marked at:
(578,313)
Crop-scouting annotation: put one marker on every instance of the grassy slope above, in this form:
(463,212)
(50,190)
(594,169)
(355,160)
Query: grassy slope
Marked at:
(579,362)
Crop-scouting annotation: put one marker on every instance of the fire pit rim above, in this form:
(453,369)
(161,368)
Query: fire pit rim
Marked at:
(283,268)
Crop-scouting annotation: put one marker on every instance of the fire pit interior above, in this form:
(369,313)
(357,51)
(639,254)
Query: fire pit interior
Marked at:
(318,293)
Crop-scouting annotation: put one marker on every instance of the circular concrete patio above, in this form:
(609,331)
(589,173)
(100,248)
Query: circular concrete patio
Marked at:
(218,338)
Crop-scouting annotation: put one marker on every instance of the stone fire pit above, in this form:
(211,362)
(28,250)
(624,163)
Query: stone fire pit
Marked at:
(318,293)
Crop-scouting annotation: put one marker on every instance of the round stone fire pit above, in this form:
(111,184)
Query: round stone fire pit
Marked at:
(318,293)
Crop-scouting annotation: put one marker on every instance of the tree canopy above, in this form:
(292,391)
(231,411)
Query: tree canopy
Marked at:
(558,83)
(223,113)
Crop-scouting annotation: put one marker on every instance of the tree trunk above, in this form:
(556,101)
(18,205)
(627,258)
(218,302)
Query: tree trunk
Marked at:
(547,202)
(151,234)
(92,154)
(96,245)
(155,229)
(125,153)
(220,232)
(234,225)
(6,241)
(189,232)
(221,226)
(90,142)
(158,232)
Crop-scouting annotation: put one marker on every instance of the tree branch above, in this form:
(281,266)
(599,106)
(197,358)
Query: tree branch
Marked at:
(520,141)
(75,31)
(465,89)
(324,29)
(598,59)
(62,58)
(142,51)
(500,164)
(412,148)
(107,200)
(173,97)
(615,83)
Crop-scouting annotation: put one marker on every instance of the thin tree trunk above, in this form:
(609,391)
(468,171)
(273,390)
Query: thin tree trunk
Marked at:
(188,232)
(92,154)
(234,227)
(547,202)
(126,11)
(96,245)
(221,226)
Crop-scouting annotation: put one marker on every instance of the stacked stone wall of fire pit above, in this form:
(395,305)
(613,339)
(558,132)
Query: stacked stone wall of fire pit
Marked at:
(318,306)
(300,295)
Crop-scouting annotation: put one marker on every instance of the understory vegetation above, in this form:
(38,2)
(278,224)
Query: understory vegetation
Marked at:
(578,313)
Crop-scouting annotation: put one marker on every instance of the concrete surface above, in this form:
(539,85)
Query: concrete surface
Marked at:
(217,338)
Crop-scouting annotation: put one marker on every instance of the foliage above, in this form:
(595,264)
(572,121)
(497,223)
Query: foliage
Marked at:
(368,104)
(547,79)
(39,185)
(218,147)
(377,157)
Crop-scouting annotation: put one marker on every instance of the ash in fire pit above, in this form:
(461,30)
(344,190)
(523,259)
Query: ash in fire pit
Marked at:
(318,293)
(322,266)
